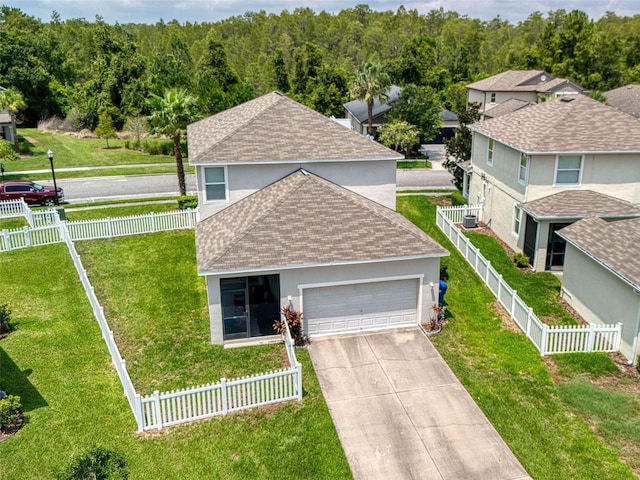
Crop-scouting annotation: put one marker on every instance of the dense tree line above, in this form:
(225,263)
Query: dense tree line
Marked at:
(79,69)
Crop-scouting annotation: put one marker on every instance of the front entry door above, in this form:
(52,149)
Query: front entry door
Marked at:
(530,234)
(555,247)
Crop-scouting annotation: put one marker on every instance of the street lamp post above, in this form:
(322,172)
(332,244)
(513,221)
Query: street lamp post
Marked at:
(53,173)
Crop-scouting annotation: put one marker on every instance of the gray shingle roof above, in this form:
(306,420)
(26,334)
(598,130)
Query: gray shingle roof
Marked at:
(625,99)
(358,108)
(508,106)
(580,204)
(614,244)
(274,128)
(516,80)
(303,220)
(580,124)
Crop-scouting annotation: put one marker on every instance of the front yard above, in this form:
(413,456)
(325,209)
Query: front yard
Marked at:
(564,418)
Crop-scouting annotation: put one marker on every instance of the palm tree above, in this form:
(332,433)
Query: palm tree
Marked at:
(372,82)
(12,101)
(170,115)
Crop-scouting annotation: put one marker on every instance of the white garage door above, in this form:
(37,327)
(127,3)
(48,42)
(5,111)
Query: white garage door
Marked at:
(362,306)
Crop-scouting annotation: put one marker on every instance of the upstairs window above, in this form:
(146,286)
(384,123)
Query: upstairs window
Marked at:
(490,152)
(522,172)
(493,98)
(568,170)
(215,185)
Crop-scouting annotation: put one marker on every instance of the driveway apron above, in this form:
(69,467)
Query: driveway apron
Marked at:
(401,413)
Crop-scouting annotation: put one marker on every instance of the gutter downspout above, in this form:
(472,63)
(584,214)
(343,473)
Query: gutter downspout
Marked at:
(634,349)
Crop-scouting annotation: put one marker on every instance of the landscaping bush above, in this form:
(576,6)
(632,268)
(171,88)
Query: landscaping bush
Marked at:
(294,319)
(187,201)
(457,198)
(521,259)
(9,410)
(98,463)
(5,318)
(158,147)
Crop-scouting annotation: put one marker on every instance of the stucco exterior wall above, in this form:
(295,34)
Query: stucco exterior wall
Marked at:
(372,179)
(599,296)
(291,281)
(617,175)
(496,187)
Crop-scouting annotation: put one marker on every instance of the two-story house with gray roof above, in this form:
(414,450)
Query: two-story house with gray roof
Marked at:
(297,209)
(543,167)
(513,89)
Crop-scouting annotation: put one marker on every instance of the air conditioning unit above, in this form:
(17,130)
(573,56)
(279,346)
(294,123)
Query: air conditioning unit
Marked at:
(470,221)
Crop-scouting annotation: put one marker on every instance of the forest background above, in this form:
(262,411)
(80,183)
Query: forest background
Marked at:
(78,69)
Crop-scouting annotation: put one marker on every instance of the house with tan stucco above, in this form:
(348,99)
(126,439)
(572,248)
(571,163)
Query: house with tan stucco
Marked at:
(543,167)
(296,209)
(511,90)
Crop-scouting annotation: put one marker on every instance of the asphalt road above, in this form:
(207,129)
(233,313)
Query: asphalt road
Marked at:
(95,189)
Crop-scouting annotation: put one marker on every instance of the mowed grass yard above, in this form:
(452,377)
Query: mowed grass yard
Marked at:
(574,424)
(57,362)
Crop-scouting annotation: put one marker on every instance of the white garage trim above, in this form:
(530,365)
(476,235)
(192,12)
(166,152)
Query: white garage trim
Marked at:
(358,324)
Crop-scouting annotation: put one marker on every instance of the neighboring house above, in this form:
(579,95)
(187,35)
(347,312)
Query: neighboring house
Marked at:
(572,144)
(528,86)
(625,99)
(601,279)
(7,124)
(357,111)
(297,209)
(358,118)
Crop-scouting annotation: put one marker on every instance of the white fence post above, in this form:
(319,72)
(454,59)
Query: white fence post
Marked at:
(5,239)
(592,334)
(529,315)
(513,303)
(543,341)
(156,409)
(223,393)
(139,412)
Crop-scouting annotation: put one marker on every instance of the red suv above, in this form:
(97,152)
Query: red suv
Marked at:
(31,192)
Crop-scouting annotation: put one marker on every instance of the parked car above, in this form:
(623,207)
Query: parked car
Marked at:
(32,193)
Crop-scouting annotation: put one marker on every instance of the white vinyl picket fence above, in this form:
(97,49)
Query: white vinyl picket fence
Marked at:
(160,409)
(132,225)
(547,339)
(14,208)
(45,226)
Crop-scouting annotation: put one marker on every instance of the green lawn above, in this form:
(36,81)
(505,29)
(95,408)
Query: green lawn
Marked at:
(509,380)
(410,164)
(57,362)
(539,290)
(77,152)
(120,211)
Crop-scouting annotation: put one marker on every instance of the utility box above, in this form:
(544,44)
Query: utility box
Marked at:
(470,221)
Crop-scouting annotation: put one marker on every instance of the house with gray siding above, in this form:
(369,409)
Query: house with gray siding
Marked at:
(601,278)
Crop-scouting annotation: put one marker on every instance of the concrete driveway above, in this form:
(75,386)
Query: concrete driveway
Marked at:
(401,413)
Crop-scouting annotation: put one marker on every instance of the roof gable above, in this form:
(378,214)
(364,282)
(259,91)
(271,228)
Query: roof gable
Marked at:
(274,128)
(613,244)
(567,124)
(304,220)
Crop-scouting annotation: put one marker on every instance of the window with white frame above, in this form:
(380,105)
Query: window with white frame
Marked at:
(490,152)
(517,217)
(568,170)
(522,172)
(215,186)
(493,97)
